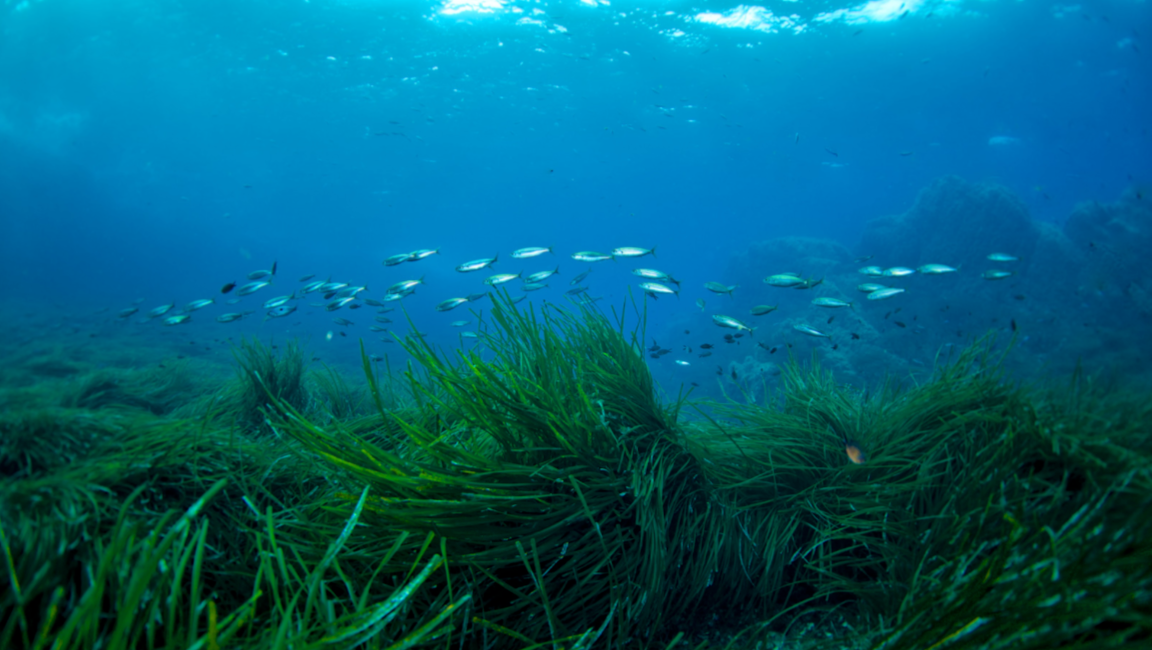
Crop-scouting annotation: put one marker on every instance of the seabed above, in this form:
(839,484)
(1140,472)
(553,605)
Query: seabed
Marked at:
(541,491)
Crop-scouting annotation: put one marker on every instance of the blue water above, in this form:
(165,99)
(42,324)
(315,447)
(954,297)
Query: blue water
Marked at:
(157,150)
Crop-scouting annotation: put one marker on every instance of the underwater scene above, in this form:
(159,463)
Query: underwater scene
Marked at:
(575,324)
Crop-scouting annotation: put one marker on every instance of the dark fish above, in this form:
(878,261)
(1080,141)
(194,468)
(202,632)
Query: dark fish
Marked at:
(273,268)
(719,371)
(832,152)
(655,346)
(705,346)
(733,374)
(1013,324)
(887,315)
(773,350)
(228,287)
(862,259)
(830,319)
(899,324)
(695,385)
(307,277)
(704,354)
(855,336)
(835,346)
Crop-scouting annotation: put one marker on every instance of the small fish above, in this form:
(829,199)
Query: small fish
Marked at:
(350,291)
(377,328)
(333,306)
(935,269)
(251,287)
(460,323)
(656,287)
(476,265)
(405,285)
(450,304)
(228,318)
(501,278)
(809,283)
(580,278)
(811,331)
(576,291)
(716,287)
(228,287)
(704,354)
(382,319)
(862,259)
(898,272)
(524,253)
(832,152)
(395,260)
(995,275)
(1013,324)
(899,324)
(311,286)
(125,313)
(884,294)
(632,251)
(855,336)
(784,280)
(1003,257)
(518,300)
(259,275)
(332,286)
(590,256)
(832,303)
(473,297)
(198,304)
(653,274)
(705,346)
(830,320)
(680,362)
(308,277)
(375,357)
(873,271)
(533,286)
(277,301)
(760,310)
(161,310)
(372,302)
(281,311)
(541,276)
(731,323)
(416,256)
(700,303)
(869,287)
(342,321)
(469,335)
(855,453)
(177,320)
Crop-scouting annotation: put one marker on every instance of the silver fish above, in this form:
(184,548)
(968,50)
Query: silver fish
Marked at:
(177,320)
(632,251)
(281,311)
(580,278)
(995,275)
(874,271)
(935,269)
(125,313)
(312,286)
(731,323)
(198,304)
(523,253)
(760,310)
(377,328)
(406,285)
(832,303)
(228,318)
(473,297)
(884,294)
(349,291)
(680,362)
(277,301)
(716,287)
(541,276)
(653,274)
(518,300)
(307,277)
(898,272)
(372,302)
(383,319)
(460,323)
(342,321)
(656,287)
(251,287)
(259,275)
(469,335)
(501,278)
(811,331)
(332,286)
(416,256)
(576,291)
(533,286)
(476,265)
(450,304)
(337,304)
(869,287)
(393,260)
(1002,257)
(784,280)
(161,310)
(590,256)
(700,303)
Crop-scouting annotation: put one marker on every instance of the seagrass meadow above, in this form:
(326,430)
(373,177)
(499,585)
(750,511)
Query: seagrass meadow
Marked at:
(541,491)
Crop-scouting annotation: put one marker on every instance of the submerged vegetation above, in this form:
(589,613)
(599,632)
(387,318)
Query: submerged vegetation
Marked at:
(539,491)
